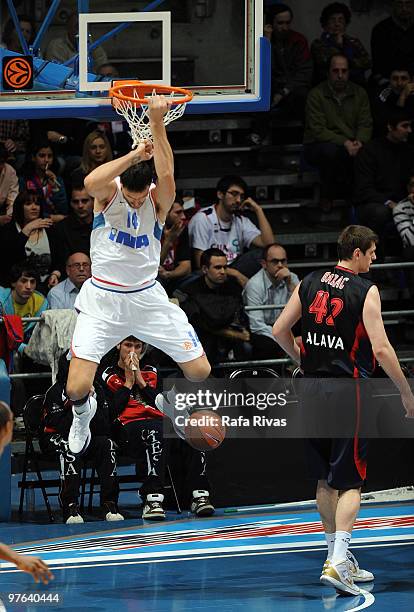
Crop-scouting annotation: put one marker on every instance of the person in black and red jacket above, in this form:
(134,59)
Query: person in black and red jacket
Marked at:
(57,420)
(139,426)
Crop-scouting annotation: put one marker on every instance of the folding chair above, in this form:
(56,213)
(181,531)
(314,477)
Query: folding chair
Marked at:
(32,418)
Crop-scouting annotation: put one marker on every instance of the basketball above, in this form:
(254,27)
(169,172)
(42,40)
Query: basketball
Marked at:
(204,430)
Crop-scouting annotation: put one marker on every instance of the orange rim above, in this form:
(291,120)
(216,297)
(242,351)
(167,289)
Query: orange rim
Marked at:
(124,90)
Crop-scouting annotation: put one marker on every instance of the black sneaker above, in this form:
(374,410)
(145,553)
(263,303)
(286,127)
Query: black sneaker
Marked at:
(201,505)
(111,511)
(71,514)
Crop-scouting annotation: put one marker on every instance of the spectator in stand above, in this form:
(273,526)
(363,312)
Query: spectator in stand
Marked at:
(338,124)
(29,236)
(96,151)
(392,42)
(138,425)
(398,94)
(64,48)
(57,419)
(9,187)
(213,305)
(403,214)
(139,428)
(10,37)
(78,270)
(382,169)
(22,299)
(225,227)
(74,232)
(273,284)
(15,135)
(291,63)
(67,137)
(38,176)
(175,257)
(335,18)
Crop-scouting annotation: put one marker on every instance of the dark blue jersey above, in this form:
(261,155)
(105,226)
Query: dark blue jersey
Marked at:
(334,338)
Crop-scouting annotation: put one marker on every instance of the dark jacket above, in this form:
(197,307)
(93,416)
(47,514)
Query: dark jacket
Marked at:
(291,63)
(382,169)
(329,119)
(391,46)
(72,237)
(12,251)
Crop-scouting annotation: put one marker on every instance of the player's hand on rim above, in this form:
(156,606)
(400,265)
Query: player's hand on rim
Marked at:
(144,151)
(158,106)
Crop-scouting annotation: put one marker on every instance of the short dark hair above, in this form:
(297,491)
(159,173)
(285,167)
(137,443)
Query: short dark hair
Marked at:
(138,177)
(24,197)
(227,181)
(6,415)
(398,115)
(333,9)
(355,237)
(24,268)
(269,246)
(272,11)
(206,256)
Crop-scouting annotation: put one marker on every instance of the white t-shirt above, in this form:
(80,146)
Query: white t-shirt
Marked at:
(206,230)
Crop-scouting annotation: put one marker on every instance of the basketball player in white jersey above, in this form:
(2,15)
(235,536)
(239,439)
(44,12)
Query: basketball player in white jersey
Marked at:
(122,297)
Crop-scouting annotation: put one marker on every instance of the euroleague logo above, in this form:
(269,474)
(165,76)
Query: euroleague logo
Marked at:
(17,72)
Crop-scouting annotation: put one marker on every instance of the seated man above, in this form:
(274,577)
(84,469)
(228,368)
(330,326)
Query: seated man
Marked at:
(64,48)
(175,259)
(398,94)
(382,169)
(139,425)
(57,419)
(403,214)
(22,298)
(213,305)
(223,226)
(338,124)
(78,269)
(273,284)
(73,234)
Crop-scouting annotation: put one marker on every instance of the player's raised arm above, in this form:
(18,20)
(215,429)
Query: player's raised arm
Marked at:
(163,156)
(100,183)
(282,328)
(382,349)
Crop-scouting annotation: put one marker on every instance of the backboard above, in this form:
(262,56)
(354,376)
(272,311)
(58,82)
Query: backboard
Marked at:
(212,47)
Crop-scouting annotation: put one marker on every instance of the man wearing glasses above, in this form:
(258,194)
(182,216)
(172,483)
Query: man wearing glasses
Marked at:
(78,270)
(273,284)
(224,226)
(74,232)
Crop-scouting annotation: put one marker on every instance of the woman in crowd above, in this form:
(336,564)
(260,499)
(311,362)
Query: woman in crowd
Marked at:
(29,235)
(38,175)
(335,18)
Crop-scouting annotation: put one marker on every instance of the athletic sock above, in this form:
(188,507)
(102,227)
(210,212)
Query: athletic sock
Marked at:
(342,540)
(330,540)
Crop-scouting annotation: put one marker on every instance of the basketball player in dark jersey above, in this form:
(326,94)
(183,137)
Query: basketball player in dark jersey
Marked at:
(342,336)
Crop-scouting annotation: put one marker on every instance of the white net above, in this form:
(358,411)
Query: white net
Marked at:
(137,115)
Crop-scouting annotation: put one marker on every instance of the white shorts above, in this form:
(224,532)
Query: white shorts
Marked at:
(106,318)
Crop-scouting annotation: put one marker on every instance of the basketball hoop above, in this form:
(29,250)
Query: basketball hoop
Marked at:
(130,100)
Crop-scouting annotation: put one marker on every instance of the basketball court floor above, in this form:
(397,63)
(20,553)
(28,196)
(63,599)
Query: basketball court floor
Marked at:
(257,561)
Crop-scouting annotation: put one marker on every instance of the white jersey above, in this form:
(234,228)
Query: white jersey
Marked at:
(126,245)
(206,231)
